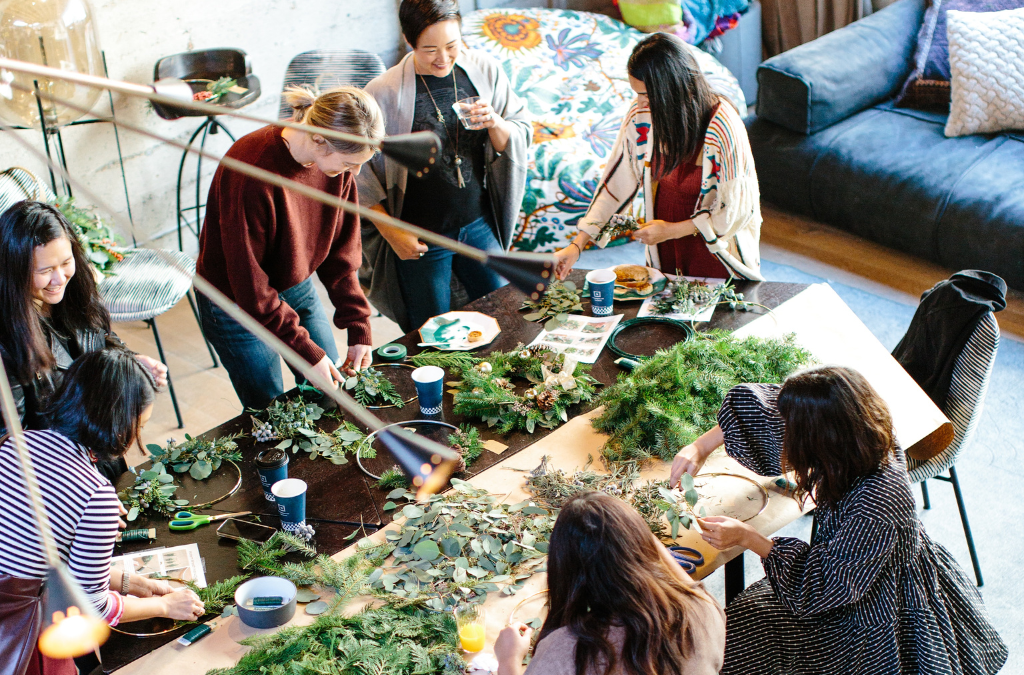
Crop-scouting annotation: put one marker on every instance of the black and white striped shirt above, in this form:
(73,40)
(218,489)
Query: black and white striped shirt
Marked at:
(82,508)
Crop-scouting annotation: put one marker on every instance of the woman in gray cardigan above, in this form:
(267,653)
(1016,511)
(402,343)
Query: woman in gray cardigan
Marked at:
(473,193)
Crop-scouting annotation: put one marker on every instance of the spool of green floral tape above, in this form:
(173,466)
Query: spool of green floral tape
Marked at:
(392,352)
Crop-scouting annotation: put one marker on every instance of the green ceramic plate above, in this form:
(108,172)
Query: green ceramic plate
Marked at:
(658,281)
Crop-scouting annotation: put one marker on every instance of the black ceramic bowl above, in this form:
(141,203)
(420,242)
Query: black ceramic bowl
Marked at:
(266,587)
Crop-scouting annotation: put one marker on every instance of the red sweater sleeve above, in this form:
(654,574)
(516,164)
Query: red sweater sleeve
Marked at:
(339,272)
(245,236)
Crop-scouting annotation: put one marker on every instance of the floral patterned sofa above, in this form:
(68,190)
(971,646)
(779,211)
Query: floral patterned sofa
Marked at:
(570,67)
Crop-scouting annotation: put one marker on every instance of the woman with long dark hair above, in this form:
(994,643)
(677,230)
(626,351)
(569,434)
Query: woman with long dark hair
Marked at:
(871,592)
(96,413)
(472,194)
(617,602)
(51,309)
(686,148)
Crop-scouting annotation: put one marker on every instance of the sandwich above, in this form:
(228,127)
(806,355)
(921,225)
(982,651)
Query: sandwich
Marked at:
(633,278)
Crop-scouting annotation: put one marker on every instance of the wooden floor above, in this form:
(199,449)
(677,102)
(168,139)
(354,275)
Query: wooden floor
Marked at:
(207,398)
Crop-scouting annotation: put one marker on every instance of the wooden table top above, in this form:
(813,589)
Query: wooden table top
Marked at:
(341,495)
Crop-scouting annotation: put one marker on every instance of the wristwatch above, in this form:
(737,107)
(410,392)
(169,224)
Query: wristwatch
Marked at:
(126,582)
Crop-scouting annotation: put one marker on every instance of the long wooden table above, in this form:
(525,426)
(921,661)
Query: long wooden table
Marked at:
(340,496)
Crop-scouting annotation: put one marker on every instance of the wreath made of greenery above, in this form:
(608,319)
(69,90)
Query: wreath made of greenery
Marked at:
(486,390)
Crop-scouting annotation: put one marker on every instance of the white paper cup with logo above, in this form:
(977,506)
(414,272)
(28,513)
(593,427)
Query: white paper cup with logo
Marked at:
(429,382)
(602,291)
(463,109)
(290,495)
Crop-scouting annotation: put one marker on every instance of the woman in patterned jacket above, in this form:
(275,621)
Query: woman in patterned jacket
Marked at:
(871,593)
(686,148)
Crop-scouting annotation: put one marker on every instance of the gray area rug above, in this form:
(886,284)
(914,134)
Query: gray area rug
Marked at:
(991,470)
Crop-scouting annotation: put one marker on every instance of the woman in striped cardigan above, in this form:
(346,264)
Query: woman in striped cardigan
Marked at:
(871,592)
(686,148)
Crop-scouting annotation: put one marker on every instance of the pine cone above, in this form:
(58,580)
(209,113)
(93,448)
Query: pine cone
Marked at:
(536,350)
(461,465)
(546,399)
(263,431)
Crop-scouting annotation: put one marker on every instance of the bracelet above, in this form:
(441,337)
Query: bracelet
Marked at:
(572,243)
(126,582)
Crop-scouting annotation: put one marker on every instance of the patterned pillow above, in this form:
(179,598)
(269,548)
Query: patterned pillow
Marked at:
(931,60)
(570,68)
(985,56)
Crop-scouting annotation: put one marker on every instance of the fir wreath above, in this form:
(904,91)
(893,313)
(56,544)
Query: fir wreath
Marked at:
(486,390)
(669,400)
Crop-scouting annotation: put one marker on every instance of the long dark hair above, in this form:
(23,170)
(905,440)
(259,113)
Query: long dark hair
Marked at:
(415,16)
(681,99)
(23,227)
(605,569)
(100,400)
(837,430)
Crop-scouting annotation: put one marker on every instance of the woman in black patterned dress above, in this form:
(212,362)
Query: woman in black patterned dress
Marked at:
(872,593)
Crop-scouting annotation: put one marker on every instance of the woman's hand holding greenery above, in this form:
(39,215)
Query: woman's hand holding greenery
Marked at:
(656,231)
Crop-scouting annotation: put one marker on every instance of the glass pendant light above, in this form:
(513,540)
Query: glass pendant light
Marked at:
(56,33)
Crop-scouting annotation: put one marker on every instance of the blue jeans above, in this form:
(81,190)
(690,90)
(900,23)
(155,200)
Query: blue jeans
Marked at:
(254,368)
(426,282)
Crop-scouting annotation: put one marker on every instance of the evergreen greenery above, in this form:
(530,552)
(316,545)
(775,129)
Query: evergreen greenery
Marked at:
(218,594)
(392,478)
(466,441)
(486,390)
(370,387)
(672,398)
(458,360)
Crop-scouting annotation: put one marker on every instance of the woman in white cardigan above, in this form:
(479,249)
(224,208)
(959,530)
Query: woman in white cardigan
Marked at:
(474,191)
(686,148)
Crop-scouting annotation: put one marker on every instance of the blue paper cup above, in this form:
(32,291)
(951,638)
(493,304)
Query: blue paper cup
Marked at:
(602,291)
(272,466)
(290,495)
(429,387)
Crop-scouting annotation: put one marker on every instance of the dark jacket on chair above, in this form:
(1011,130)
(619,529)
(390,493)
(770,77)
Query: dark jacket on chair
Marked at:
(944,321)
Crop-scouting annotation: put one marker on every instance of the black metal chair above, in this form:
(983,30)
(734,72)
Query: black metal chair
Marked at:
(326,68)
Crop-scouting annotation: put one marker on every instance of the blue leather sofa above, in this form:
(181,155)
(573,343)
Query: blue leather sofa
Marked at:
(828,144)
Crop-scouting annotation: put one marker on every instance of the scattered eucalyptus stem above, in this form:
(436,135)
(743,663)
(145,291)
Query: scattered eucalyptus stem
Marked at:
(559,300)
(198,456)
(294,424)
(459,546)
(151,492)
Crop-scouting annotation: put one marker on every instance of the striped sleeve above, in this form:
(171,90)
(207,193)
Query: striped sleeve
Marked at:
(811,580)
(91,549)
(750,421)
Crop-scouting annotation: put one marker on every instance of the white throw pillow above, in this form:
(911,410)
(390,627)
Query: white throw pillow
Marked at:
(986,59)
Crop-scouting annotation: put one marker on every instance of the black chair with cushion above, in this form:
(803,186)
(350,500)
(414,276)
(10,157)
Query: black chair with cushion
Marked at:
(327,68)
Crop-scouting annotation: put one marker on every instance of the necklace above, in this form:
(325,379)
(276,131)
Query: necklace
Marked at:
(440,118)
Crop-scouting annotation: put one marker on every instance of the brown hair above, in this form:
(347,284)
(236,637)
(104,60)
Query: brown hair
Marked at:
(605,569)
(347,109)
(837,430)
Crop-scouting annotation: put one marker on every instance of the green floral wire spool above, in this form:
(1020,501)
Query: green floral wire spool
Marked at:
(685,328)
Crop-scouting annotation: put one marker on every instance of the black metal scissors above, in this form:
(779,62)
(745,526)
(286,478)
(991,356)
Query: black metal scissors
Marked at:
(688,558)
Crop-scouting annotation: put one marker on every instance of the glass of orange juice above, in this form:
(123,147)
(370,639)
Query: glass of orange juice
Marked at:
(470,621)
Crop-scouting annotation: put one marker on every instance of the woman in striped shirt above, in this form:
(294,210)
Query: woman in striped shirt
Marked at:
(97,412)
(686,148)
(871,593)
(51,308)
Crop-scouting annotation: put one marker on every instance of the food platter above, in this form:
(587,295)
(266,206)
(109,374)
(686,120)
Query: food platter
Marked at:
(656,277)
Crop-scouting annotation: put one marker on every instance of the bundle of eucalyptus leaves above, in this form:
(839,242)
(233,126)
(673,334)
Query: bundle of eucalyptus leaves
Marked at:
(376,640)
(683,296)
(667,401)
(559,300)
(461,545)
(199,456)
(486,391)
(294,424)
(152,492)
(370,387)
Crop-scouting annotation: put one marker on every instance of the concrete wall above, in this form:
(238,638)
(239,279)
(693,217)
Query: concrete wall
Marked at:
(136,33)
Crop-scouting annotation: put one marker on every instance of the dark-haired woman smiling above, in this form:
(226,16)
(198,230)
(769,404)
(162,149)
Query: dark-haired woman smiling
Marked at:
(686,148)
(51,309)
(871,593)
(96,413)
(618,603)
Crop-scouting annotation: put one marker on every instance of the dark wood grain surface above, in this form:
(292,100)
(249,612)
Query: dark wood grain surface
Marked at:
(339,497)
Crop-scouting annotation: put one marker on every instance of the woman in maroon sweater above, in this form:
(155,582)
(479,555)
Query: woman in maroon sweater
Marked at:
(261,244)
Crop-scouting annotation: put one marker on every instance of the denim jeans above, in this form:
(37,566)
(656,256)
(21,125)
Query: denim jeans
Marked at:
(254,368)
(426,282)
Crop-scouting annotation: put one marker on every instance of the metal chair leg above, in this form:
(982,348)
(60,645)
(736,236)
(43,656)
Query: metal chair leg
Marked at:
(170,385)
(967,526)
(814,526)
(734,581)
(924,494)
(195,313)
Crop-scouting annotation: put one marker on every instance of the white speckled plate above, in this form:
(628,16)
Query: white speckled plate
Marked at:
(450,331)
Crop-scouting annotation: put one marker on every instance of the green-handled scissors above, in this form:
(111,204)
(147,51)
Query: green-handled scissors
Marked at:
(189,521)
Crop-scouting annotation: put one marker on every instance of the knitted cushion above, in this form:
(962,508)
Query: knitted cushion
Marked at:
(985,56)
(17,184)
(931,59)
(145,285)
